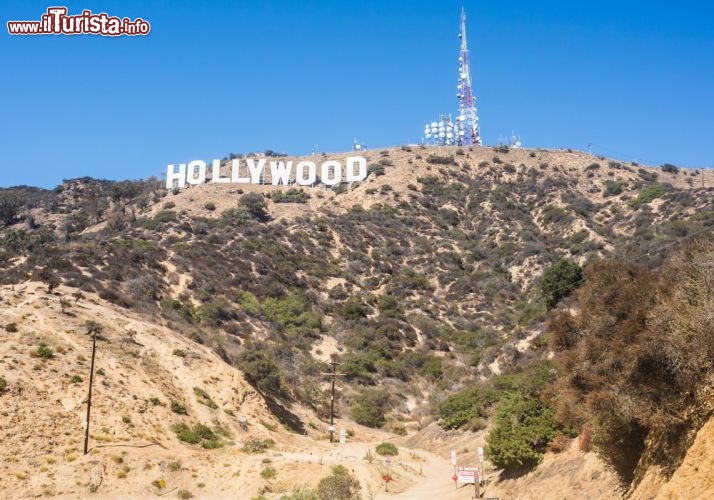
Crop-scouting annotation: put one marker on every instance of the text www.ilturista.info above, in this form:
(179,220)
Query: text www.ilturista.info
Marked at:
(57,22)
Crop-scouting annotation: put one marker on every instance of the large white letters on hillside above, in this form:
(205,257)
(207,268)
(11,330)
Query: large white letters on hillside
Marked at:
(280,172)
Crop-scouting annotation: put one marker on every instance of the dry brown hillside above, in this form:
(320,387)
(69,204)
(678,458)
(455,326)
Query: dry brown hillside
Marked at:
(423,283)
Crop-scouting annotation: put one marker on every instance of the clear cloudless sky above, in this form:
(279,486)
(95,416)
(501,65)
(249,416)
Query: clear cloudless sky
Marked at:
(634,78)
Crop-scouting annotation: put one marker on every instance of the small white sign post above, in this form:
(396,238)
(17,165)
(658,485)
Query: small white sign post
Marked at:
(453,463)
(479,451)
(343,440)
(387,476)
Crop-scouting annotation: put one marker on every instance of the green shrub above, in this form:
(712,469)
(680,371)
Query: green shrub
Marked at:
(353,309)
(648,194)
(210,206)
(292,312)
(340,485)
(210,444)
(200,433)
(467,405)
(387,449)
(185,433)
(669,168)
(399,429)
(375,169)
(249,303)
(3,385)
(292,195)
(555,215)
(204,432)
(178,408)
(524,423)
(162,217)
(234,217)
(522,430)
(613,188)
(256,206)
(260,368)
(369,408)
(559,280)
(44,352)
(254,445)
(75,379)
(268,473)
(184,494)
(441,160)
(203,398)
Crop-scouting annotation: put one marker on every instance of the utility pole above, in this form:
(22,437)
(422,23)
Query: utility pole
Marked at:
(93,329)
(332,401)
(334,375)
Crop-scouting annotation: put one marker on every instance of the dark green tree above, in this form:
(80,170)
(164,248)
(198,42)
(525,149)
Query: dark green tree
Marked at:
(369,408)
(260,368)
(256,205)
(560,280)
(9,208)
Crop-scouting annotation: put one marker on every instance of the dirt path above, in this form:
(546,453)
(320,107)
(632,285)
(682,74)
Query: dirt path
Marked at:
(434,483)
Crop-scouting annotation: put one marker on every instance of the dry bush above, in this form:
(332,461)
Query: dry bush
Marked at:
(559,444)
(640,338)
(585,439)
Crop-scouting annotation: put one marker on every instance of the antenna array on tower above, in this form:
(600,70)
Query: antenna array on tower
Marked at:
(464,131)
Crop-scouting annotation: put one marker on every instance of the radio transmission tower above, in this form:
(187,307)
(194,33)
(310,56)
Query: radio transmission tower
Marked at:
(467,119)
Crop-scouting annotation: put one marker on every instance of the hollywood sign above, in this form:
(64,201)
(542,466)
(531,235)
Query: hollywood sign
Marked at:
(253,171)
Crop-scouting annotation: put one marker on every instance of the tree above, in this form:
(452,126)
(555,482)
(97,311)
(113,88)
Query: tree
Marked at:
(340,485)
(369,408)
(93,328)
(560,280)
(9,207)
(260,368)
(524,423)
(523,428)
(50,279)
(256,205)
(668,167)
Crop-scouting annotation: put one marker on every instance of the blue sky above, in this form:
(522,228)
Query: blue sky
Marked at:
(634,78)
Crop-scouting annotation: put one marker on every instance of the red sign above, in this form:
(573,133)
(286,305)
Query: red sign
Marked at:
(467,475)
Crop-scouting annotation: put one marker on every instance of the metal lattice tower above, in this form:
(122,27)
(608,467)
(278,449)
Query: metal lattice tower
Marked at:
(467,119)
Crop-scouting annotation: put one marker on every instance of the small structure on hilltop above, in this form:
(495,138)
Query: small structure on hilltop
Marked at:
(464,131)
(358,146)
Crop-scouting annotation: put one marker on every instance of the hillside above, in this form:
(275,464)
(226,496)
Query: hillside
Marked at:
(421,281)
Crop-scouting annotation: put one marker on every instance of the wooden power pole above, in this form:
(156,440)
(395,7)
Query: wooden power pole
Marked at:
(93,329)
(334,375)
(332,401)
